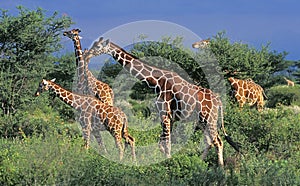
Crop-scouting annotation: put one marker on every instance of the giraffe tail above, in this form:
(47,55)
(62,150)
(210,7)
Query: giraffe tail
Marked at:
(235,145)
(264,94)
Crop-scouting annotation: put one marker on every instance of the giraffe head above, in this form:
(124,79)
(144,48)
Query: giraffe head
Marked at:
(73,34)
(201,44)
(43,85)
(231,79)
(99,47)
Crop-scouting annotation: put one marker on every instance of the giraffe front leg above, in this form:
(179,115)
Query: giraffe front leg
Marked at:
(86,133)
(165,138)
(98,137)
(241,103)
(121,148)
(86,137)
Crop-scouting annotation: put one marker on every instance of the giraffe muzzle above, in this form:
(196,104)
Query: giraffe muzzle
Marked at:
(37,94)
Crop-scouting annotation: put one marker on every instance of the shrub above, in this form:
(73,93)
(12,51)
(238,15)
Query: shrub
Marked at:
(283,95)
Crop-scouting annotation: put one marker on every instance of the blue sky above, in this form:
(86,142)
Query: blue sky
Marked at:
(255,22)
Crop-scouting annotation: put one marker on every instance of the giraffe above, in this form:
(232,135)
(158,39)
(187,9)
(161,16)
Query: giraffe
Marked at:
(176,99)
(95,116)
(289,82)
(201,44)
(248,91)
(95,87)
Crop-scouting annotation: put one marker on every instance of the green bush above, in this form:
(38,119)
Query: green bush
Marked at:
(283,95)
(270,147)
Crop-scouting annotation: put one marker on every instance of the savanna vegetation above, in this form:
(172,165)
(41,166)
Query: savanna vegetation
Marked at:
(41,142)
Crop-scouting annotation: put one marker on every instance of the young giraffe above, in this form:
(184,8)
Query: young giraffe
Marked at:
(201,44)
(176,99)
(94,116)
(248,91)
(289,82)
(95,87)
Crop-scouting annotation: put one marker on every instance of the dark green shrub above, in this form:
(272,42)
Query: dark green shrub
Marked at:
(283,95)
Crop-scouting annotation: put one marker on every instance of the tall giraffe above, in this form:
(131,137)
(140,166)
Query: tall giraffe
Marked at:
(176,98)
(92,85)
(95,116)
(201,44)
(81,84)
(248,91)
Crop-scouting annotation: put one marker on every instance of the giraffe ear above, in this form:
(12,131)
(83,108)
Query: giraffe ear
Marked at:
(52,80)
(78,30)
(100,39)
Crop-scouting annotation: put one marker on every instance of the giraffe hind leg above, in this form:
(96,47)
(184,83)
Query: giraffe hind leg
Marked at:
(131,141)
(219,148)
(208,145)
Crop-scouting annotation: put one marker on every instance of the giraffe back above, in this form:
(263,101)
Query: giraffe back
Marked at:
(248,91)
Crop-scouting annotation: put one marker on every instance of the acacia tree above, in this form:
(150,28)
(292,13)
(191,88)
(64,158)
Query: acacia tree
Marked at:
(296,74)
(243,61)
(27,44)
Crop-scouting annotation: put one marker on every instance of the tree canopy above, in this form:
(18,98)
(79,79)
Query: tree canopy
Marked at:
(27,44)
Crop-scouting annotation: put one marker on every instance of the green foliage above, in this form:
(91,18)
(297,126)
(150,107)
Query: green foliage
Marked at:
(270,140)
(283,95)
(167,54)
(170,54)
(241,60)
(297,73)
(109,71)
(26,41)
(64,72)
(271,132)
(270,146)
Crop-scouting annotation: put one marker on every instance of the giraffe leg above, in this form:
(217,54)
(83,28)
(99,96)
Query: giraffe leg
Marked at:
(165,138)
(208,144)
(86,132)
(260,103)
(219,148)
(121,148)
(131,141)
(98,137)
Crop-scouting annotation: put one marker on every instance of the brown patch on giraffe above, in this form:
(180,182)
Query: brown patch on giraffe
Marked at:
(145,72)
(63,94)
(122,55)
(138,68)
(128,58)
(157,73)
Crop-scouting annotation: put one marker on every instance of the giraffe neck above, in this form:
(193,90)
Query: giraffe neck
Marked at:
(81,84)
(134,66)
(78,50)
(66,96)
(235,83)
